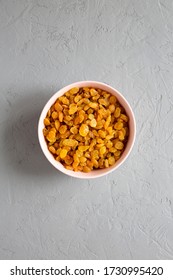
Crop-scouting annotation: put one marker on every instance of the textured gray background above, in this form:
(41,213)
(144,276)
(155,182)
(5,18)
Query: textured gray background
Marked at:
(45,45)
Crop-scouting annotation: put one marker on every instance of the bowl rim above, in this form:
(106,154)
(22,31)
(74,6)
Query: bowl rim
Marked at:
(94,173)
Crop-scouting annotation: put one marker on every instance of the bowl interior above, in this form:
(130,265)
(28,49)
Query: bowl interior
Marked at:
(94,173)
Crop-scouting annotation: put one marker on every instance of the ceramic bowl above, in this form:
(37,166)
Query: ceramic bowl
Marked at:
(98,172)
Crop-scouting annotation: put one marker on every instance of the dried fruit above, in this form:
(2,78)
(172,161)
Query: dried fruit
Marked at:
(86,129)
(119,145)
(46,121)
(63,153)
(70,142)
(74,90)
(93,123)
(73,109)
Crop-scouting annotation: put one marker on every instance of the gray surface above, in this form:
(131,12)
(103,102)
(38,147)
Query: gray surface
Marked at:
(46,45)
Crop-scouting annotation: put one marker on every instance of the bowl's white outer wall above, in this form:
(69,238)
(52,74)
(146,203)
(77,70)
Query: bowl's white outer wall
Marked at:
(95,173)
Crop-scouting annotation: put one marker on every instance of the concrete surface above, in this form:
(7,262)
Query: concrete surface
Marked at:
(45,45)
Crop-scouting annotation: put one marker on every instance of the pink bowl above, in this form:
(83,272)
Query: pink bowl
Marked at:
(94,173)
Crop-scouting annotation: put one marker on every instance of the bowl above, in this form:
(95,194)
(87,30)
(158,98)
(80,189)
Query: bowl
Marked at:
(98,172)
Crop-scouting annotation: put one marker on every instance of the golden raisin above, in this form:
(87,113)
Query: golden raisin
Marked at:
(54,115)
(68,167)
(77,98)
(121,135)
(91,116)
(119,145)
(102,150)
(112,99)
(58,107)
(46,122)
(52,149)
(93,92)
(111,160)
(82,159)
(57,124)
(63,153)
(65,100)
(118,125)
(124,117)
(74,90)
(73,109)
(106,163)
(74,130)
(93,123)
(70,142)
(86,169)
(93,105)
(112,108)
(84,129)
(83,148)
(117,112)
(103,101)
(61,116)
(63,129)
